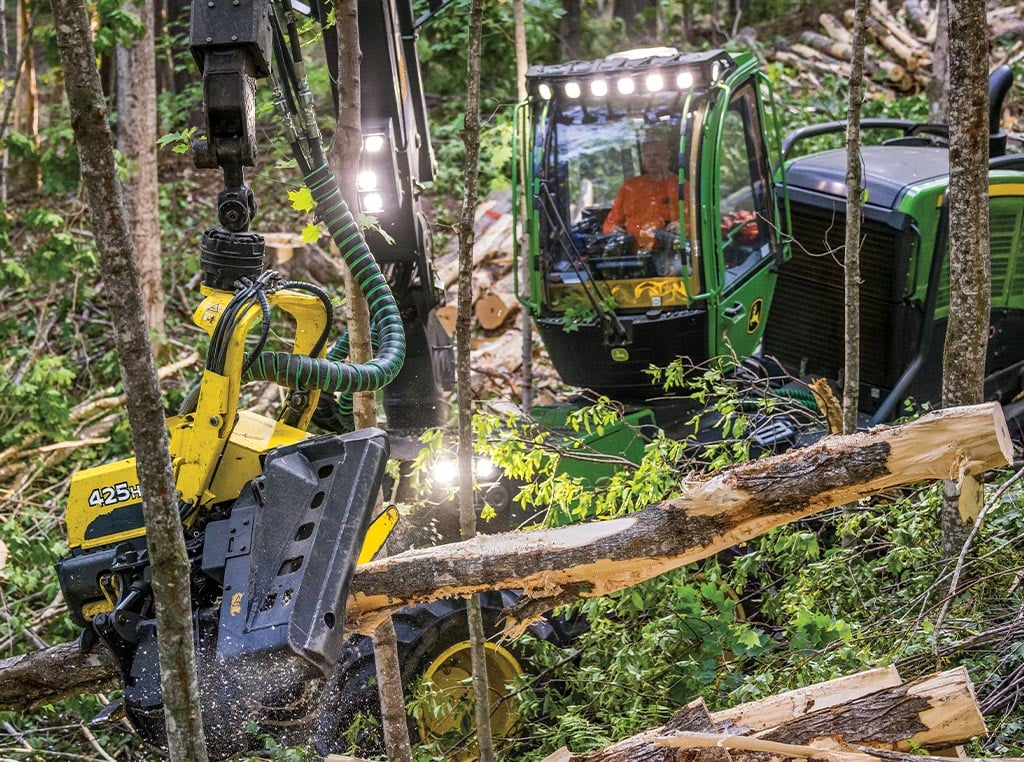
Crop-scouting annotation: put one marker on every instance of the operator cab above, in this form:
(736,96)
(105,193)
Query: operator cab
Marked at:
(652,213)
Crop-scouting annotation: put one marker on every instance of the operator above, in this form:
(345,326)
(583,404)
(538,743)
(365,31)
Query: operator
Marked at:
(647,203)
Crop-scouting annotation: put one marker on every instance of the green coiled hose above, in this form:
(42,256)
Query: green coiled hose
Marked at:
(332,375)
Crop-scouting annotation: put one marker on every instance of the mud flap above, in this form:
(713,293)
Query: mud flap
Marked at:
(287,553)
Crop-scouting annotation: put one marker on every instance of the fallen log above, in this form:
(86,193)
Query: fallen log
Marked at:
(881,13)
(919,713)
(553,566)
(835,29)
(937,711)
(709,516)
(781,708)
(57,672)
(911,58)
(920,21)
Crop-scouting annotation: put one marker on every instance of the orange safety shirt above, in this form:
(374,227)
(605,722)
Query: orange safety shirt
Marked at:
(644,206)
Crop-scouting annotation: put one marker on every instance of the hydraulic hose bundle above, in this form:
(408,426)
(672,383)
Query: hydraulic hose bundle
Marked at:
(330,374)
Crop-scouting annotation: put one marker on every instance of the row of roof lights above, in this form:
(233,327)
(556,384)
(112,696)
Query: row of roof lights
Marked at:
(653,83)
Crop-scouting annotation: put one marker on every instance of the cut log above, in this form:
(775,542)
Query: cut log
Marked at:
(890,709)
(776,710)
(710,515)
(745,743)
(835,29)
(919,19)
(491,311)
(842,51)
(935,711)
(496,240)
(883,16)
(911,58)
(693,717)
(882,71)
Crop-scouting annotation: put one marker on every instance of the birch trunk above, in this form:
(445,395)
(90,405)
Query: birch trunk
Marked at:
(963,364)
(142,390)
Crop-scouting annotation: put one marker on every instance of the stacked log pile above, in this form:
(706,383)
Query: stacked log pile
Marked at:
(900,38)
(497,347)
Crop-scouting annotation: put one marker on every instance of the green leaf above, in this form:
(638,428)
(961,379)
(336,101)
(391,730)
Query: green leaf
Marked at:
(302,200)
(311,233)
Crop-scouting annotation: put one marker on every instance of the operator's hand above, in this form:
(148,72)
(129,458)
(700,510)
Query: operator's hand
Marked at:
(617,229)
(673,226)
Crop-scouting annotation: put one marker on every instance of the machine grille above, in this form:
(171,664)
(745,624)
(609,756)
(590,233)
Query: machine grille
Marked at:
(1006,230)
(805,329)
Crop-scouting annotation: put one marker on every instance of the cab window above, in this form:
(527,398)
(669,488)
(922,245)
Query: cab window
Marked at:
(743,190)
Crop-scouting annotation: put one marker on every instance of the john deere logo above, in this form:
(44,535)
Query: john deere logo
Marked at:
(620,354)
(755,315)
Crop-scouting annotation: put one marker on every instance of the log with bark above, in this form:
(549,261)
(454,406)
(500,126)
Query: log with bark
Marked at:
(710,515)
(850,719)
(920,20)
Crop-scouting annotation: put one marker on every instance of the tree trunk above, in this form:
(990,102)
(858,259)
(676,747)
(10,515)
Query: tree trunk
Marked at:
(136,138)
(166,544)
(963,363)
(522,237)
(463,329)
(344,155)
(558,565)
(854,212)
(938,85)
(570,29)
(643,11)
(26,176)
(8,80)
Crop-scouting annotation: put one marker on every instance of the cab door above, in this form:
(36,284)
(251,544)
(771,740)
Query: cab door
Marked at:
(744,228)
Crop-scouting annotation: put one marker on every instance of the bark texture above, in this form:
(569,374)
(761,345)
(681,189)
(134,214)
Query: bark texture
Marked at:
(463,328)
(136,138)
(938,85)
(344,156)
(963,365)
(522,239)
(25,176)
(854,212)
(932,712)
(142,390)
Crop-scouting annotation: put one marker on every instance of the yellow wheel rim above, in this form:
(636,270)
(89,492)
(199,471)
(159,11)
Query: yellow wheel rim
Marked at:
(450,674)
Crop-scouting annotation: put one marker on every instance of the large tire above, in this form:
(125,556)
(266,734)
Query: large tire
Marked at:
(432,639)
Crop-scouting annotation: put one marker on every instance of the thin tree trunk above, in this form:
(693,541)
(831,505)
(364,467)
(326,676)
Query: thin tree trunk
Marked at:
(136,138)
(344,154)
(467,511)
(26,95)
(963,363)
(5,72)
(570,29)
(166,544)
(854,212)
(523,239)
(938,85)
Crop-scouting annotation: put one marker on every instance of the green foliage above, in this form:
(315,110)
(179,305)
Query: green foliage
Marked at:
(117,26)
(853,589)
